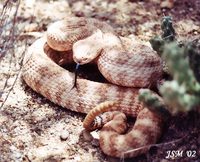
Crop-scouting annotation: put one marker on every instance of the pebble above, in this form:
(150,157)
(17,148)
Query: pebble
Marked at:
(167,4)
(64,135)
(18,155)
(67,120)
(95,135)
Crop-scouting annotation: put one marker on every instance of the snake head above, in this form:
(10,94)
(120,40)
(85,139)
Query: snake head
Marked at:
(86,50)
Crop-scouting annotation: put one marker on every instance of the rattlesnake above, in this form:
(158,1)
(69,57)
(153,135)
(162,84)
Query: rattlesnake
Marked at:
(127,69)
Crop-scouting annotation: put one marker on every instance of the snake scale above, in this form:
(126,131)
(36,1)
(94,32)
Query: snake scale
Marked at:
(128,69)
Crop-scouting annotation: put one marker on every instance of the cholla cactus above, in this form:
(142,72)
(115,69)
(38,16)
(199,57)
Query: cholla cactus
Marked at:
(168,35)
(167,28)
(182,94)
(154,103)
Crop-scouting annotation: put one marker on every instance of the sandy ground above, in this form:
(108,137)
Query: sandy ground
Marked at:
(34,129)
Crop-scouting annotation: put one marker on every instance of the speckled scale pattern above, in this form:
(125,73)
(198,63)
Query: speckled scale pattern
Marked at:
(44,76)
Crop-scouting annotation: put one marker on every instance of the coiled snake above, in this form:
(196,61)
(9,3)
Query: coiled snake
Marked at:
(128,66)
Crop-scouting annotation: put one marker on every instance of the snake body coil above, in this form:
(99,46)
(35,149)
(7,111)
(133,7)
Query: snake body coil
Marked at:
(129,69)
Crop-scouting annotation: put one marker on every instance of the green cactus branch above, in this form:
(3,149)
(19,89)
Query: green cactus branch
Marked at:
(154,103)
(176,97)
(182,94)
(168,35)
(179,68)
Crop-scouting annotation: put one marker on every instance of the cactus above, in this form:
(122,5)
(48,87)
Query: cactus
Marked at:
(168,35)
(182,93)
(167,28)
(154,103)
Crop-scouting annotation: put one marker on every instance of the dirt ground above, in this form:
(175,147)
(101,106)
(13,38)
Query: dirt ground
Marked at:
(34,129)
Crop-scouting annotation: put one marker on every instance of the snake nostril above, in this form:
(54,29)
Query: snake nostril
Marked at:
(81,60)
(84,59)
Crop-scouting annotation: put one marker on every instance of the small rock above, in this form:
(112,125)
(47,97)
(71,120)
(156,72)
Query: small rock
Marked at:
(31,27)
(67,120)
(95,135)
(18,155)
(64,135)
(167,4)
